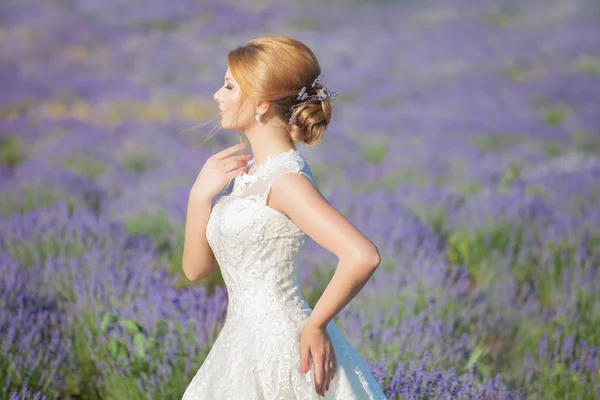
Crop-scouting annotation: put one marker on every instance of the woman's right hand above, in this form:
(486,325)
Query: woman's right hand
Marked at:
(218,170)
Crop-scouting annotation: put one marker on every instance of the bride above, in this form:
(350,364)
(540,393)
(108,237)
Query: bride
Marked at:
(251,218)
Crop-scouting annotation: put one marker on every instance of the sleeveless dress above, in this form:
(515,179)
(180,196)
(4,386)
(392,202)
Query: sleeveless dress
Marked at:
(257,353)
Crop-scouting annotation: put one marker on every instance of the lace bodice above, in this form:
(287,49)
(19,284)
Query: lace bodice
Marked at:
(257,353)
(257,247)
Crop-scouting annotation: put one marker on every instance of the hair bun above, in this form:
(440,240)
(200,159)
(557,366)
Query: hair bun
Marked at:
(311,120)
(306,111)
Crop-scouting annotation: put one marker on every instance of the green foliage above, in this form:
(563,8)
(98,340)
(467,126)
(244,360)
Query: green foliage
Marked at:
(36,377)
(496,143)
(138,162)
(471,189)
(586,142)
(474,249)
(117,348)
(475,356)
(303,24)
(125,358)
(559,256)
(501,18)
(156,226)
(50,246)
(157,25)
(319,172)
(589,320)
(562,255)
(84,165)
(552,149)
(43,358)
(511,173)
(33,197)
(588,65)
(396,178)
(211,282)
(515,72)
(10,151)
(537,190)
(313,293)
(557,115)
(420,299)
(374,154)
(435,218)
(558,380)
(174,259)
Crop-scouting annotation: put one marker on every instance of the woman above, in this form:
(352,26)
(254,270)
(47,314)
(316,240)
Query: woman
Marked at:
(273,345)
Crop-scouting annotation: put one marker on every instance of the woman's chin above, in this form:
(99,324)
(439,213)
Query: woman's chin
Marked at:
(225,125)
(228,126)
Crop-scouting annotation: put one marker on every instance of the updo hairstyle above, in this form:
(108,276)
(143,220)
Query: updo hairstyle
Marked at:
(274,69)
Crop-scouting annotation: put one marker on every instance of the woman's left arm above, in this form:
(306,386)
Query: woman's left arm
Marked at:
(358,257)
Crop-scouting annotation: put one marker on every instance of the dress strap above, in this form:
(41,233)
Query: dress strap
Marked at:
(293,163)
(267,173)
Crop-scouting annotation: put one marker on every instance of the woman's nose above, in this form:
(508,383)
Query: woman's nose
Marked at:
(216,98)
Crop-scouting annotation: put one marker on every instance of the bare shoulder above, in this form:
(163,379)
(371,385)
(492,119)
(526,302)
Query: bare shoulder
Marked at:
(293,184)
(295,195)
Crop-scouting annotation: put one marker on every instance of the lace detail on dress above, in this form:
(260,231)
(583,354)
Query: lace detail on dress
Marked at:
(259,250)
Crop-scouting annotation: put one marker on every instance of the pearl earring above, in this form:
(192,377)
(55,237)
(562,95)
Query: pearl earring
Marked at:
(257,117)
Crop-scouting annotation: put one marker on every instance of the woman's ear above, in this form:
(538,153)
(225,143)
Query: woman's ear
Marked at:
(262,107)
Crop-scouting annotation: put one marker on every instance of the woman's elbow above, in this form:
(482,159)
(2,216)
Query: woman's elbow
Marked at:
(192,274)
(375,259)
(369,257)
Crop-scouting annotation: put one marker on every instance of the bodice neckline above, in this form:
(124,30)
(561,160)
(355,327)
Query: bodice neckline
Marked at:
(271,157)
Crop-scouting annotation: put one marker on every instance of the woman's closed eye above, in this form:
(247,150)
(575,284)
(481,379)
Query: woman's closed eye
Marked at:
(228,87)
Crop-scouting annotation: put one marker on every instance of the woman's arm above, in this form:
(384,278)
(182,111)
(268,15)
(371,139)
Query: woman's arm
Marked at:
(198,259)
(358,257)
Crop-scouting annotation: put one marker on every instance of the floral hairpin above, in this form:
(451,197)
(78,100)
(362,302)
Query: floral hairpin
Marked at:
(313,98)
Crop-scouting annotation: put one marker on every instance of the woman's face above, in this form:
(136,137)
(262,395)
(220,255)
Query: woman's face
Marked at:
(229,99)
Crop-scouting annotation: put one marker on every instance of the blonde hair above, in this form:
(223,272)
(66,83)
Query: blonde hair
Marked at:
(274,69)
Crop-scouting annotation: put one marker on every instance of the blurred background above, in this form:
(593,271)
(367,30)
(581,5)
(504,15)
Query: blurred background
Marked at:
(465,143)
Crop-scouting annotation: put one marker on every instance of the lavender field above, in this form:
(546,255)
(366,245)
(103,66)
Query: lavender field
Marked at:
(465,143)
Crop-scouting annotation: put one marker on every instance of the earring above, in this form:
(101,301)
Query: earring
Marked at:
(257,117)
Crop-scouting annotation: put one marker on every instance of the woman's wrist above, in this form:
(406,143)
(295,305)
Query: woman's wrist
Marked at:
(199,196)
(311,323)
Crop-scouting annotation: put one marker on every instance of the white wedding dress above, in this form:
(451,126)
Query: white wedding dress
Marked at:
(257,352)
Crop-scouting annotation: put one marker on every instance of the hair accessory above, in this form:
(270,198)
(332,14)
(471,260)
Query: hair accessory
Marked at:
(313,98)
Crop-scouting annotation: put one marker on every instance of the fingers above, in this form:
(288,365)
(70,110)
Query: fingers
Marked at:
(328,374)
(235,162)
(323,359)
(333,359)
(304,354)
(230,151)
(234,172)
(332,369)
(327,377)
(319,363)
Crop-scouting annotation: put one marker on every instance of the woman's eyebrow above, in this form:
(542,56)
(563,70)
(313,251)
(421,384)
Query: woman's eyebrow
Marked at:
(227,79)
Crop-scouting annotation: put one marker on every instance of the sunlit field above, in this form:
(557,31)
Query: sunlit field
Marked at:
(465,143)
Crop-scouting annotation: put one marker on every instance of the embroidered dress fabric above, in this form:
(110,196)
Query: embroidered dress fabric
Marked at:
(257,353)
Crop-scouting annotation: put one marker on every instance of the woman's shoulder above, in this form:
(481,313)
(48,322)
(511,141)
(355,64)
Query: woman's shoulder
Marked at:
(295,162)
